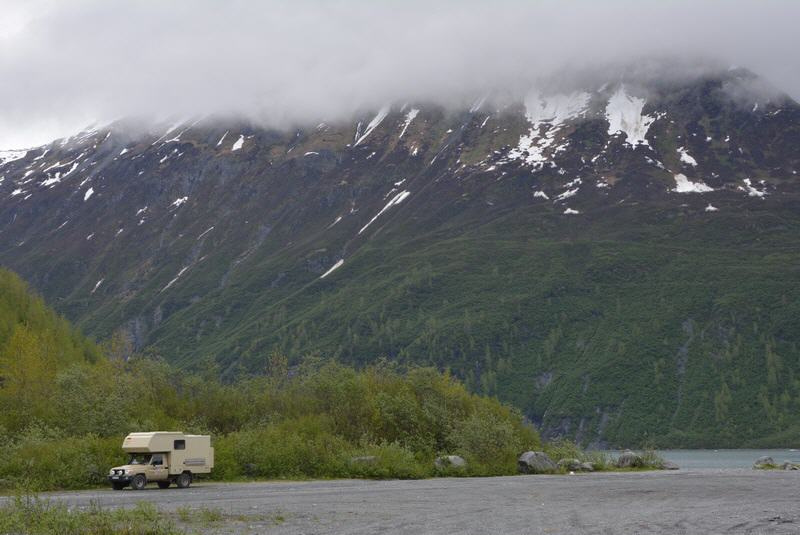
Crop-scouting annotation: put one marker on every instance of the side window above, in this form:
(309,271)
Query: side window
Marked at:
(179,445)
(158,460)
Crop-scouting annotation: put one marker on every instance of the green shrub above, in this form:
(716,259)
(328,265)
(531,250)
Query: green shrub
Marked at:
(600,460)
(42,461)
(564,449)
(651,459)
(301,447)
(488,444)
(391,460)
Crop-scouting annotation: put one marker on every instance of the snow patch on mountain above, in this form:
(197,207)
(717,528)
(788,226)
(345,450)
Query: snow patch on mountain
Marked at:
(205,232)
(173,281)
(52,181)
(684,185)
(397,199)
(333,268)
(238,144)
(751,190)
(89,193)
(7,156)
(171,129)
(373,124)
(567,194)
(624,114)
(547,116)
(686,157)
(410,116)
(96,286)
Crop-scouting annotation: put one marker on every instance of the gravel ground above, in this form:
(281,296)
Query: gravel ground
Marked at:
(723,501)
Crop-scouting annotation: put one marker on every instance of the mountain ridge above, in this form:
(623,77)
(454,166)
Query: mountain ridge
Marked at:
(528,248)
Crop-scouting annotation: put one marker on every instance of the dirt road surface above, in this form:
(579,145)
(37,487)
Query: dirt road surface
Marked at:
(725,501)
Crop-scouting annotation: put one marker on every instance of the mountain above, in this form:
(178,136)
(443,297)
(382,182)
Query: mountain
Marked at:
(620,260)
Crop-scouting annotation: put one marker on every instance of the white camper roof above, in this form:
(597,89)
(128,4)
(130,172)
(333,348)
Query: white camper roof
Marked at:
(153,442)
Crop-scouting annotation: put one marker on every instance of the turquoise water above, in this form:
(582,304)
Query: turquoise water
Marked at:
(723,459)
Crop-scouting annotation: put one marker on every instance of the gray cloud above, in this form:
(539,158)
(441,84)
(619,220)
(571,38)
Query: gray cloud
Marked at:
(66,64)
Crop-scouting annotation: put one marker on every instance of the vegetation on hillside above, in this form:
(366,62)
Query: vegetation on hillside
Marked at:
(65,409)
(681,329)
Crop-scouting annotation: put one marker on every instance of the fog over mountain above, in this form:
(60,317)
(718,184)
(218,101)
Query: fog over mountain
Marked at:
(68,64)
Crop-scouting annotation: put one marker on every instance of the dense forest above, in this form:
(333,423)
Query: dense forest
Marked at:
(65,406)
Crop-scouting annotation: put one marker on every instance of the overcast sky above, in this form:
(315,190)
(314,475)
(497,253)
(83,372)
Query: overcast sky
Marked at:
(68,63)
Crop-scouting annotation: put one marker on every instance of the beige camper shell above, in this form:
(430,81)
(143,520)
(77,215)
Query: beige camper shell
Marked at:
(163,457)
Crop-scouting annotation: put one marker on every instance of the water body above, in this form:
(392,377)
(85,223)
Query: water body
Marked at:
(723,459)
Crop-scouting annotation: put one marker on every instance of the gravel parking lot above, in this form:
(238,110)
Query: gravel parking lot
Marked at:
(712,501)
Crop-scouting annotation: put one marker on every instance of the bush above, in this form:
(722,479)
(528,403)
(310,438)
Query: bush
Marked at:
(488,444)
(40,460)
(296,448)
(391,460)
(564,449)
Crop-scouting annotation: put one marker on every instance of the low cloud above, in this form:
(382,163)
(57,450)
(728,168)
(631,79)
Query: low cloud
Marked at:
(67,64)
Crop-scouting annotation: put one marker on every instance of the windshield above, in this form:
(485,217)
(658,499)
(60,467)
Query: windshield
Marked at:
(139,458)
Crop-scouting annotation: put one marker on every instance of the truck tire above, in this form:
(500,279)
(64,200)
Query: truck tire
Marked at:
(163,484)
(138,482)
(118,486)
(184,480)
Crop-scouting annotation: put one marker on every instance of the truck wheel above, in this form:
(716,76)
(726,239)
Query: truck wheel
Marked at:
(118,486)
(184,480)
(138,482)
(163,484)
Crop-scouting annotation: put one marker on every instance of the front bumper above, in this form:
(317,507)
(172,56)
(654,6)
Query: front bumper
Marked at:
(119,479)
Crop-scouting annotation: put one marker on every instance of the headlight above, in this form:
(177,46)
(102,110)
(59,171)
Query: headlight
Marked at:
(112,472)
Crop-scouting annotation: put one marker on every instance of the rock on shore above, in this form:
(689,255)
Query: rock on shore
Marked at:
(536,462)
(764,463)
(449,461)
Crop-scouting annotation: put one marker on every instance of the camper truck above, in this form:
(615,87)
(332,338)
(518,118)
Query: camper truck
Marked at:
(164,458)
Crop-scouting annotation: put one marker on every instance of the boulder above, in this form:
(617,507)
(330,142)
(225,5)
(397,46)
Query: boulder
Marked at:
(629,459)
(788,465)
(570,465)
(587,467)
(763,463)
(449,461)
(535,462)
(669,465)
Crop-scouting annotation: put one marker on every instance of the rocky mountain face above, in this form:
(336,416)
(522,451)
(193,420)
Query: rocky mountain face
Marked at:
(620,262)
